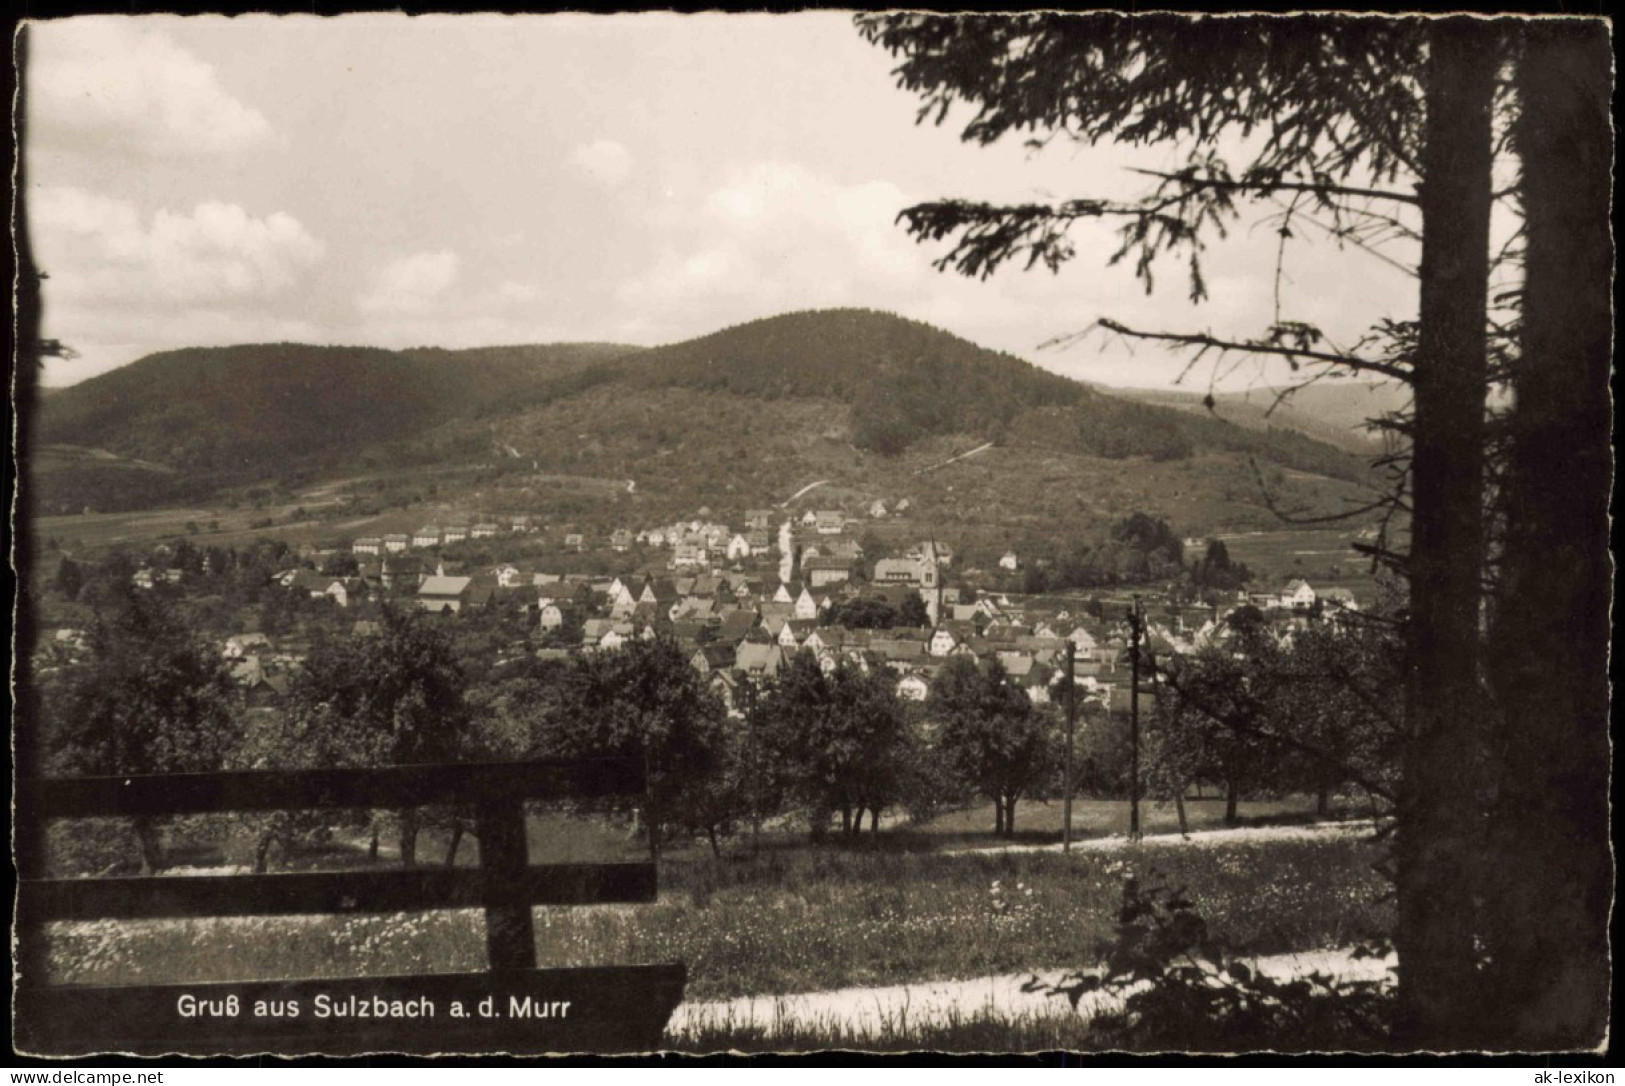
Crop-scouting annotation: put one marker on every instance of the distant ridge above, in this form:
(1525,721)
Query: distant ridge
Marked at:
(882,384)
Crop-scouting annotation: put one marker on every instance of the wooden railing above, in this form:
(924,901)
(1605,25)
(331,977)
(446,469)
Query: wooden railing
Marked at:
(515,1007)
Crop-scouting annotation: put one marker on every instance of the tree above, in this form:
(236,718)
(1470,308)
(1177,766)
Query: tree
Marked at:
(1212,721)
(912,611)
(990,731)
(394,697)
(1340,111)
(841,738)
(1548,935)
(149,697)
(1217,571)
(863,613)
(644,701)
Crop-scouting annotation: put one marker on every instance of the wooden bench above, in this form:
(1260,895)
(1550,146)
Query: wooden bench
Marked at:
(515,1007)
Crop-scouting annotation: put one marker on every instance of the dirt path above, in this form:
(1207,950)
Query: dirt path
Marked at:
(1319,831)
(869,1010)
(785,503)
(951,459)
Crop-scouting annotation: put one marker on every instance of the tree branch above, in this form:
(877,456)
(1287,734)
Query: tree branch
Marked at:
(1266,188)
(1205,342)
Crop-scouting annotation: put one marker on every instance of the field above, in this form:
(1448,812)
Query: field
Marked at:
(1322,556)
(791,918)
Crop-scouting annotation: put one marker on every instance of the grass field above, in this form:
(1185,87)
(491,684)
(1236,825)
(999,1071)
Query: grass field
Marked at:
(792,918)
(1311,553)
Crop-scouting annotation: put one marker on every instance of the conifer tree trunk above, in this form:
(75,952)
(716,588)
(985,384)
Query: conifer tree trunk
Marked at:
(1549,928)
(1440,795)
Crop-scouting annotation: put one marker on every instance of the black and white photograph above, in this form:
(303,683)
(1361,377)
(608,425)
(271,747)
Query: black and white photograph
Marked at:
(812,532)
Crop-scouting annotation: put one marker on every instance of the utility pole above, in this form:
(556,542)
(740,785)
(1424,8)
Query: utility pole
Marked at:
(1071,723)
(1136,624)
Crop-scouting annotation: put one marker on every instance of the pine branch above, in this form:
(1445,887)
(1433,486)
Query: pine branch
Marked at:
(1205,343)
(1266,188)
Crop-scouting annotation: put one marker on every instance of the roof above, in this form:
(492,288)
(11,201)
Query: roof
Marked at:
(736,623)
(436,585)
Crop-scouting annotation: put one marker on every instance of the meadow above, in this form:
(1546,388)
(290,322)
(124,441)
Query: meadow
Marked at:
(790,918)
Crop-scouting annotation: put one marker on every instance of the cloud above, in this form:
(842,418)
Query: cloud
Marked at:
(511,293)
(100,86)
(101,250)
(776,236)
(412,283)
(604,161)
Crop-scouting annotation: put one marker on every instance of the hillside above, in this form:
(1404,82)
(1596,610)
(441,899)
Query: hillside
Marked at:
(225,415)
(854,394)
(1337,413)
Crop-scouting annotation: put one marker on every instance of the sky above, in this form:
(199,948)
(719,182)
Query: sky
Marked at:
(464,181)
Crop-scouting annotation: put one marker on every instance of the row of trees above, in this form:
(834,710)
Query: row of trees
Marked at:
(821,745)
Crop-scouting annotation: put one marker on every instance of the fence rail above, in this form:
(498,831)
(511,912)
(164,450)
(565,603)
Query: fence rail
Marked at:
(594,1009)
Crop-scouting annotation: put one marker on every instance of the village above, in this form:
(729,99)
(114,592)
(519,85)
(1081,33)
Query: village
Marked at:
(741,602)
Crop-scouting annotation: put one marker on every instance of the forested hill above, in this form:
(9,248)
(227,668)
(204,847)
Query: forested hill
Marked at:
(214,417)
(903,379)
(237,410)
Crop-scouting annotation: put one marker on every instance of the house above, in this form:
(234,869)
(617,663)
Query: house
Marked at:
(736,624)
(620,540)
(775,615)
(942,642)
(809,519)
(1297,595)
(758,661)
(913,687)
(319,585)
(806,607)
(662,592)
(877,509)
(248,644)
(843,547)
(620,595)
(427,536)
(617,635)
(521,523)
(1084,644)
(454,533)
(829,522)
(507,575)
(914,571)
(549,616)
(739,547)
(689,556)
(143,578)
(483,530)
(1009,561)
(826,571)
(395,544)
(712,657)
(367,545)
(263,691)
(443,594)
(1339,598)
(574,541)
